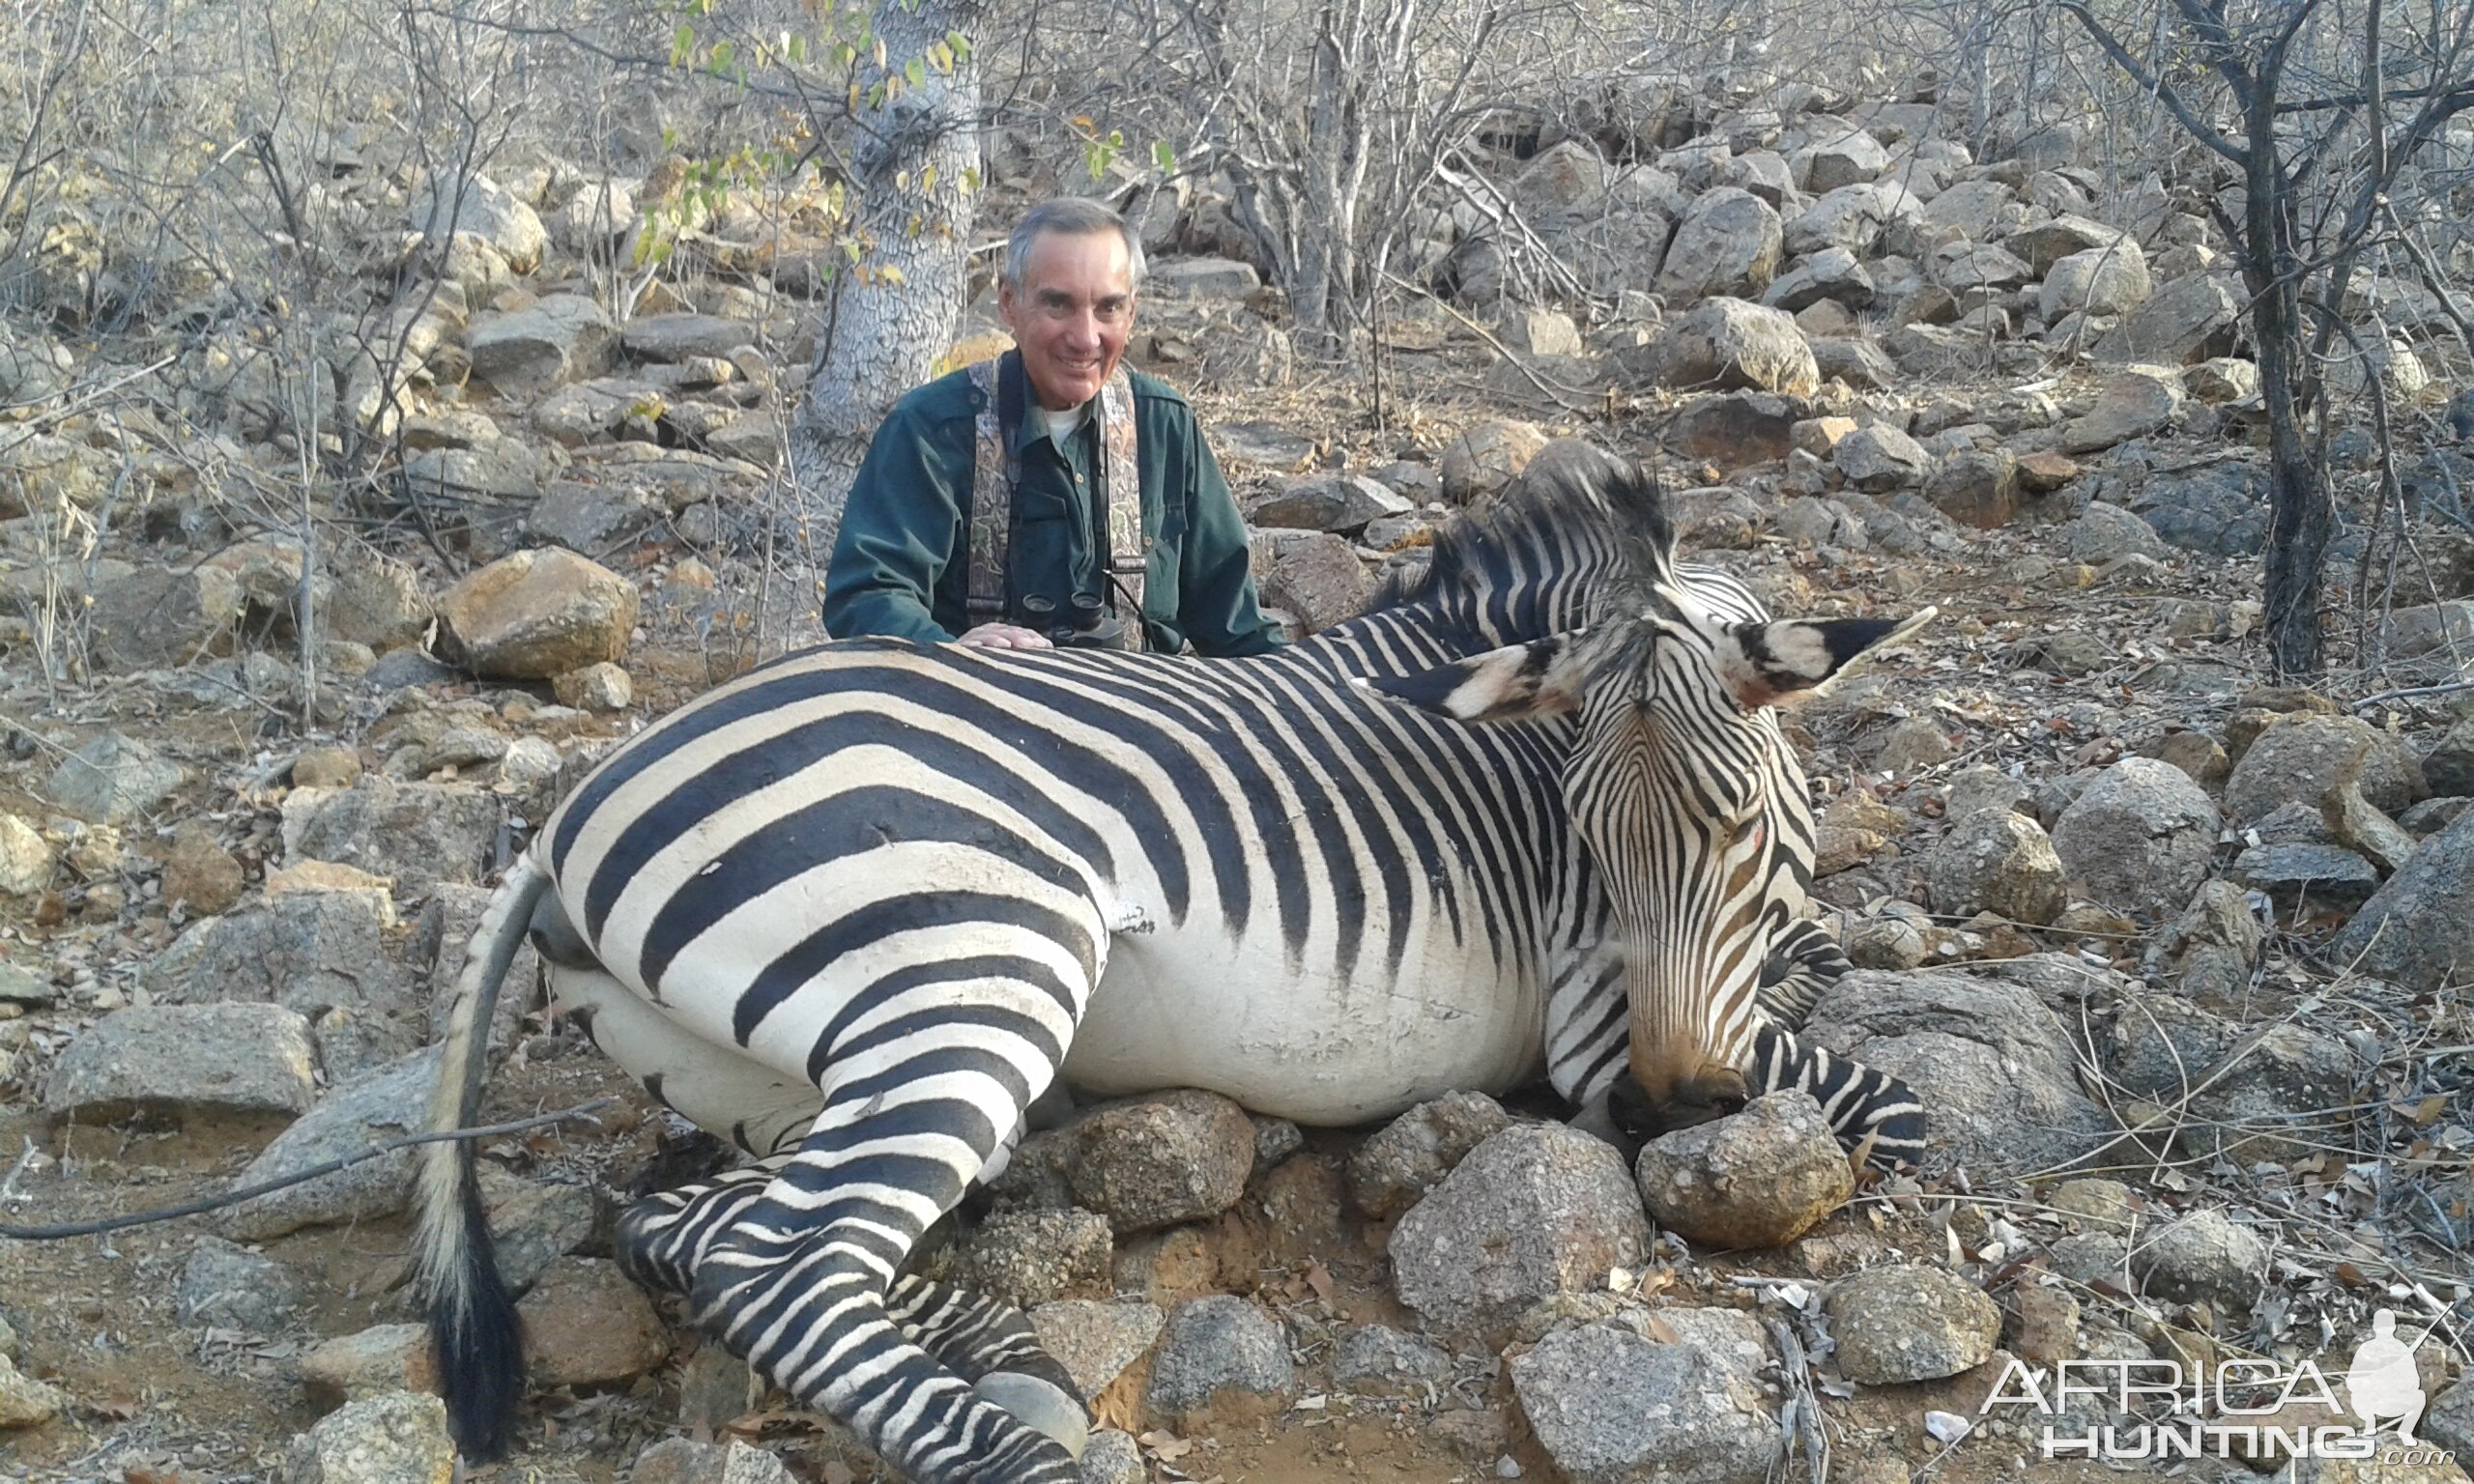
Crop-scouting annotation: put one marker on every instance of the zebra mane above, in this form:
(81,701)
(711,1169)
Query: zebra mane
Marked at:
(1531,562)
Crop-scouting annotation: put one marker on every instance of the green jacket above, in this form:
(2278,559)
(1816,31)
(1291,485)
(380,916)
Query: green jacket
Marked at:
(900,563)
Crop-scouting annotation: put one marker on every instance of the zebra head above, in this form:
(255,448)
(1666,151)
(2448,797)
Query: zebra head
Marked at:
(1683,792)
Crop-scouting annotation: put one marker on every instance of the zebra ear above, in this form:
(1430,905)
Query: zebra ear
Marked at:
(1516,683)
(1765,662)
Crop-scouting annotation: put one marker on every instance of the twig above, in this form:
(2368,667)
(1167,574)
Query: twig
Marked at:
(253,1192)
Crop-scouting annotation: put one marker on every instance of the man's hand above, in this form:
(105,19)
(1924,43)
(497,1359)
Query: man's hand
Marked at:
(1006,636)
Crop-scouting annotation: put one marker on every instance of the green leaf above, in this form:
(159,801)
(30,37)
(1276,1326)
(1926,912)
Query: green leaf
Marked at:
(681,43)
(961,45)
(1164,157)
(917,72)
(798,50)
(970,179)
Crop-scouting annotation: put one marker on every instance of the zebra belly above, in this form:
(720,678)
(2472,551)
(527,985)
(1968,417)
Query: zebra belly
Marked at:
(1320,1048)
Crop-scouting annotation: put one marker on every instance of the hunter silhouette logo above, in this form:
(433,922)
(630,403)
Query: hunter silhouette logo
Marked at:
(2382,1382)
(2237,1408)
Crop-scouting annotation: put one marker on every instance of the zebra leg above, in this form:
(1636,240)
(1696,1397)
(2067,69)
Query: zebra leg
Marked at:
(1869,1110)
(989,1344)
(1804,960)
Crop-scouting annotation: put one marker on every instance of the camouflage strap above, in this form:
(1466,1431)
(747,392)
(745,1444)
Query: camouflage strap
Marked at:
(992,500)
(995,472)
(1128,554)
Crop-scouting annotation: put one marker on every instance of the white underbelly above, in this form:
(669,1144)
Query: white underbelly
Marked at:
(1179,1010)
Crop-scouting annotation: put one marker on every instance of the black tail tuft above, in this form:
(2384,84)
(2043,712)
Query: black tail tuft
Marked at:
(477,1341)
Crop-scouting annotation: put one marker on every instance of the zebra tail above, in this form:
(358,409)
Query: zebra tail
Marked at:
(475,1340)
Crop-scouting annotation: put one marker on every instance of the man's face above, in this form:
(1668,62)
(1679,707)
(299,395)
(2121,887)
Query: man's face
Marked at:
(1072,315)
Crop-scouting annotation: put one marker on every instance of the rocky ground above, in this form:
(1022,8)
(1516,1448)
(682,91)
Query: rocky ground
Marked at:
(2172,955)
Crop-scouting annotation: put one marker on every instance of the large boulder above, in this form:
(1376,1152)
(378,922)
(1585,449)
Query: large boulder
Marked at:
(1761,1178)
(2140,838)
(2189,320)
(485,210)
(559,338)
(2131,403)
(1993,1067)
(1994,861)
(1536,1212)
(537,614)
(2100,281)
(1610,1405)
(2298,759)
(1734,429)
(2221,510)
(1854,217)
(1831,274)
(1910,1322)
(1727,242)
(1724,343)
(2418,931)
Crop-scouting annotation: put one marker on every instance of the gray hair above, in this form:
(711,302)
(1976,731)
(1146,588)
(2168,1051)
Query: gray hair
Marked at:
(1068,216)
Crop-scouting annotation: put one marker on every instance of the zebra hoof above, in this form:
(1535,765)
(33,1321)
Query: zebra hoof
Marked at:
(1040,1405)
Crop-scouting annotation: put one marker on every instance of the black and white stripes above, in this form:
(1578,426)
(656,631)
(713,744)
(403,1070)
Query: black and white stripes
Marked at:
(858,909)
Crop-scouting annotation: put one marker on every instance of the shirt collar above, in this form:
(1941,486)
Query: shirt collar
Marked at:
(1033,428)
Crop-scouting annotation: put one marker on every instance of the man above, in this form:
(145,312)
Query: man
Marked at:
(994,498)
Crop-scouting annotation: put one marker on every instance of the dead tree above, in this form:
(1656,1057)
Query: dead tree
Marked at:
(2264,88)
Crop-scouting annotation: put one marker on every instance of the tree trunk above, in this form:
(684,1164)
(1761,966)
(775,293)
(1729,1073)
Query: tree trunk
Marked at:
(891,316)
(2299,506)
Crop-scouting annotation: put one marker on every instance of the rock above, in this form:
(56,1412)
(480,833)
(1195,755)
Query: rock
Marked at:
(2044,472)
(1342,504)
(1979,789)
(1532,1213)
(537,614)
(2140,838)
(2131,403)
(1096,1342)
(2301,759)
(1486,457)
(1734,429)
(2450,1421)
(1203,277)
(2328,876)
(377,1361)
(2221,510)
(1727,242)
(1264,443)
(322,953)
(377,601)
(1157,1160)
(2429,628)
(113,779)
(1910,745)
(1967,268)
(2418,929)
(1220,1361)
(184,1061)
(506,472)
(1723,343)
(585,1324)
(1854,217)
(676,337)
(2399,372)
(1850,158)
(559,339)
(386,1104)
(1541,332)
(1612,1407)
(1910,1322)
(2215,942)
(229,1287)
(1031,1258)
(2222,380)
(2103,533)
(1114,1457)
(2065,236)
(2043,1327)
(602,687)
(2187,320)
(25,858)
(157,617)
(2366,831)
(420,832)
(1994,1070)
(1316,575)
(1761,1178)
(2204,1257)
(1981,211)
(396,1437)
(1977,487)
(2112,279)
(485,210)
(26,1402)
(684,1461)
(1392,1170)
(1831,274)
(1378,1360)
(200,872)
(2449,767)
(1998,861)
(1878,458)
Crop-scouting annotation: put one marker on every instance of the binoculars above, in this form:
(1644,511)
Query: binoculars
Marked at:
(1084,625)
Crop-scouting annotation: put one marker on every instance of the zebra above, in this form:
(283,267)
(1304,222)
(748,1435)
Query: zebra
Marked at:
(858,909)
